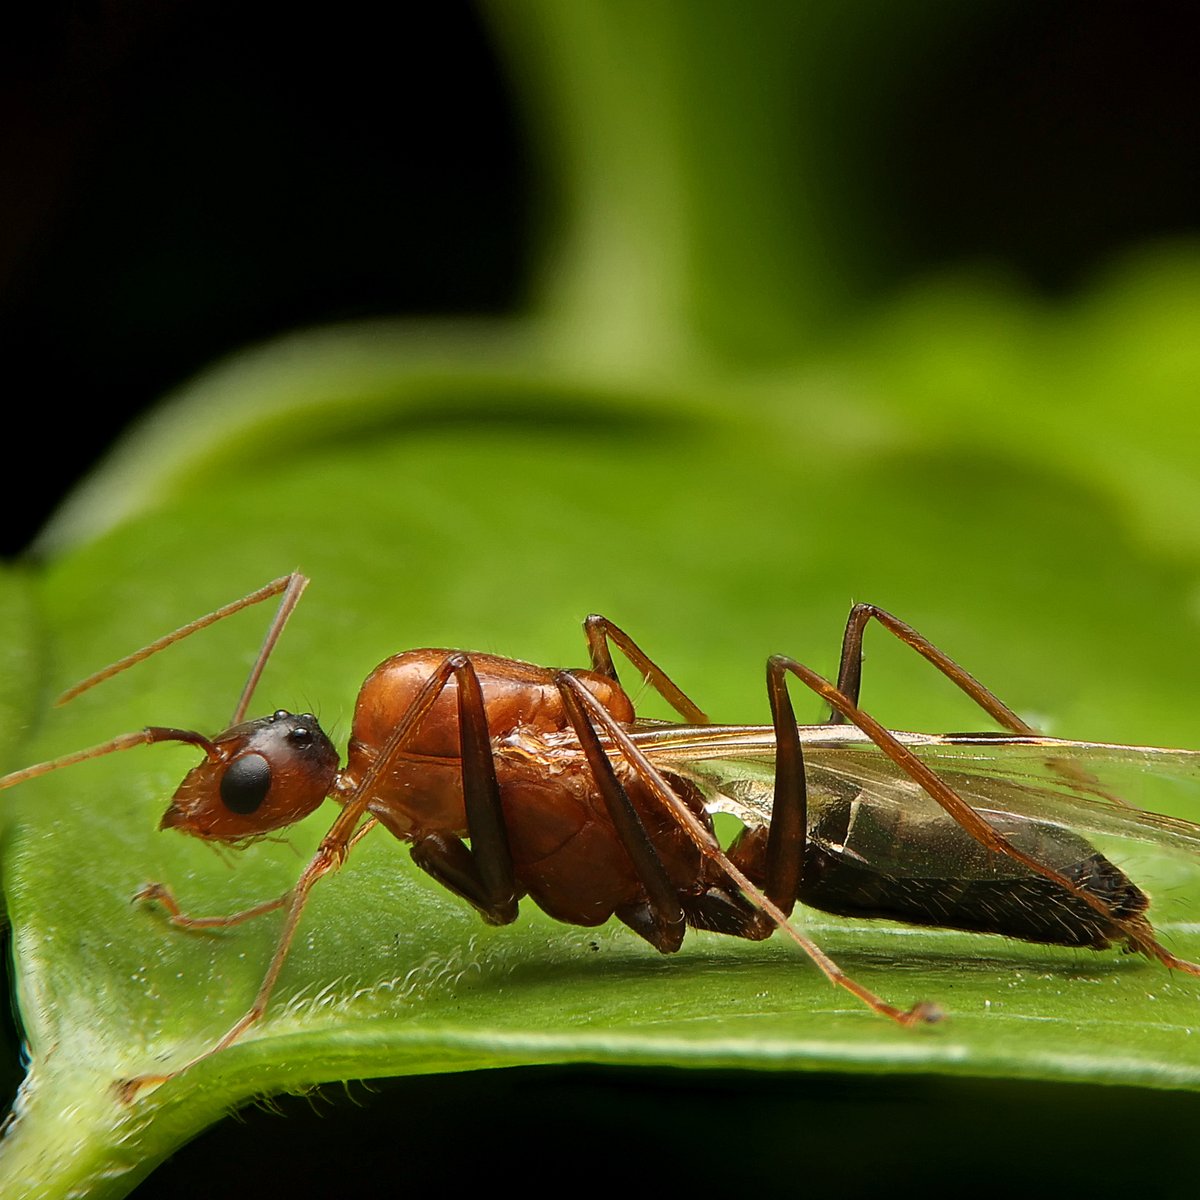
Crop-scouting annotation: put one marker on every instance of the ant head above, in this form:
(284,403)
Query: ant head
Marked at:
(257,776)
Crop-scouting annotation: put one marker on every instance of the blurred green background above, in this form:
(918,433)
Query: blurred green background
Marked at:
(188,179)
(714,318)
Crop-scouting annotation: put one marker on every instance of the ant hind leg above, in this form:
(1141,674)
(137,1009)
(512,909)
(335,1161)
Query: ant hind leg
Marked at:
(773,857)
(849,681)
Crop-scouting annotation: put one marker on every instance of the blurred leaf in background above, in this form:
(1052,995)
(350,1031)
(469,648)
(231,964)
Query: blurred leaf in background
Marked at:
(825,303)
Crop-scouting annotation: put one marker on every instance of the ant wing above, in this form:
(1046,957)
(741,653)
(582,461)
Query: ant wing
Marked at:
(1039,792)
(1091,787)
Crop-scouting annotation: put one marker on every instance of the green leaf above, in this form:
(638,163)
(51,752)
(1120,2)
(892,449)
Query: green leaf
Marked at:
(1015,480)
(495,522)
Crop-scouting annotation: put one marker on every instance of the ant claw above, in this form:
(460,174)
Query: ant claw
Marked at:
(127,1090)
(150,892)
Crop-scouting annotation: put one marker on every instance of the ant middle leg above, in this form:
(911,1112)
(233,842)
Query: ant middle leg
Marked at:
(600,631)
(660,918)
(587,714)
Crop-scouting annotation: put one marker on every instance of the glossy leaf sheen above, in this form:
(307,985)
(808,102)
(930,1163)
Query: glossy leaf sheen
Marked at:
(714,542)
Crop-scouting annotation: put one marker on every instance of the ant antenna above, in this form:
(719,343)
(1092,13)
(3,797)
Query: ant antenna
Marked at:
(292,586)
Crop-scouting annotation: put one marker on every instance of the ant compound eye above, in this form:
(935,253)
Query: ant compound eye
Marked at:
(245,784)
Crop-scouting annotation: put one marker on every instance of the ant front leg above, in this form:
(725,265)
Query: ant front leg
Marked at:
(353,822)
(160,894)
(483,873)
(328,857)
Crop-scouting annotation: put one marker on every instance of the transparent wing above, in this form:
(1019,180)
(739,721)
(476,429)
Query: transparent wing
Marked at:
(1131,800)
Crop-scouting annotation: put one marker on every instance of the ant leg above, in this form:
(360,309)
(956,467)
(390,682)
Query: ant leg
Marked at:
(661,919)
(343,835)
(850,683)
(600,631)
(1136,932)
(850,668)
(594,714)
(775,854)
(327,858)
(159,893)
(482,874)
(788,832)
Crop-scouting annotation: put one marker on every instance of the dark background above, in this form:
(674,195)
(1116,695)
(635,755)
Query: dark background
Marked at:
(187,178)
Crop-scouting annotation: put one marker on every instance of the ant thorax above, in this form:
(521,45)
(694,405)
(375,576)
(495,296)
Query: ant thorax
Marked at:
(554,751)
